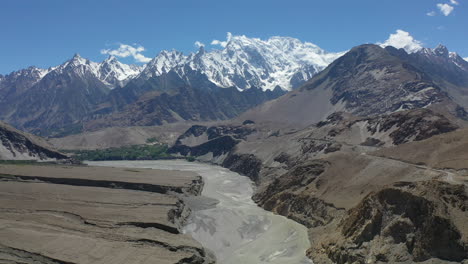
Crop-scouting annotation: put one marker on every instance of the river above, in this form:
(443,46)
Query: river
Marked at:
(226,220)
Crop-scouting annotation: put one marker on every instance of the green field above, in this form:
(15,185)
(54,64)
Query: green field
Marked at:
(136,152)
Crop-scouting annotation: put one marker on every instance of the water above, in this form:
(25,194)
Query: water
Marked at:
(227,222)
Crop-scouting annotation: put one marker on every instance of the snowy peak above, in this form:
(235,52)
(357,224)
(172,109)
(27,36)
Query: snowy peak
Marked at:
(441,54)
(114,73)
(441,50)
(31,72)
(164,62)
(248,62)
(78,60)
(28,76)
(110,71)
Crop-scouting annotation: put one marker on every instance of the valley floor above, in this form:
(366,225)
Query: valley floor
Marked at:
(78,214)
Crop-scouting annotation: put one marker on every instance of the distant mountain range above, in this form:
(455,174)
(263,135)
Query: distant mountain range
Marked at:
(248,62)
(63,99)
(221,84)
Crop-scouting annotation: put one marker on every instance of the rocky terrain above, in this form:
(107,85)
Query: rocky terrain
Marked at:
(95,215)
(406,222)
(322,175)
(368,80)
(185,104)
(447,151)
(17,145)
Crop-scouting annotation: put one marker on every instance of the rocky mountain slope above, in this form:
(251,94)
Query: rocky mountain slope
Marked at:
(57,99)
(185,104)
(447,69)
(16,145)
(368,80)
(447,151)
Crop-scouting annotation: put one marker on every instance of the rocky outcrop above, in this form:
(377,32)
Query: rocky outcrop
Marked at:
(382,130)
(285,196)
(406,222)
(220,143)
(217,140)
(218,146)
(412,125)
(16,145)
(245,164)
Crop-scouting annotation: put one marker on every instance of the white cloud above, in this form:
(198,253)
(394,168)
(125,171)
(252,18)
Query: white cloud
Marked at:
(445,9)
(125,51)
(432,13)
(402,40)
(198,44)
(454,2)
(222,43)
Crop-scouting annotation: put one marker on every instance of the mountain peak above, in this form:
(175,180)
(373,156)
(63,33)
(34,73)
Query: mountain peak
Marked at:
(77,60)
(76,56)
(201,50)
(441,50)
(245,62)
(111,59)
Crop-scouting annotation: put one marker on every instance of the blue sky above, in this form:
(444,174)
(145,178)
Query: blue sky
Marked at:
(46,33)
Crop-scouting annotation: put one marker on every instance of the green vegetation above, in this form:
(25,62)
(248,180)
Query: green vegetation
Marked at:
(136,152)
(151,140)
(190,158)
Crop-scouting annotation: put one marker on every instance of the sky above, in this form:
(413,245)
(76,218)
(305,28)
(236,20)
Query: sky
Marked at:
(46,33)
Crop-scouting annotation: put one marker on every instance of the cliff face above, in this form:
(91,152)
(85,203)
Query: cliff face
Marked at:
(16,145)
(405,222)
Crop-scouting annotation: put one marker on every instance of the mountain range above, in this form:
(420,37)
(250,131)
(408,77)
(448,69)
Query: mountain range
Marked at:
(64,98)
(220,84)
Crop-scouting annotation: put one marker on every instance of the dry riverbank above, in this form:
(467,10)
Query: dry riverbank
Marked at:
(79,214)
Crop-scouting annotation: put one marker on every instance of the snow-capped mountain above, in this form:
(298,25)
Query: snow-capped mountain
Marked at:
(174,86)
(60,97)
(19,81)
(441,54)
(243,63)
(248,62)
(111,72)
